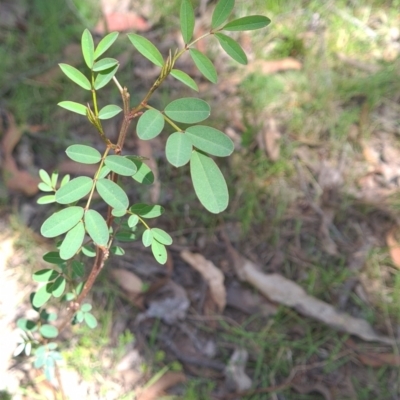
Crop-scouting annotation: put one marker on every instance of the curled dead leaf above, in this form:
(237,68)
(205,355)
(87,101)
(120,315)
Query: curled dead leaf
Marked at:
(394,248)
(269,139)
(127,280)
(211,274)
(158,388)
(286,292)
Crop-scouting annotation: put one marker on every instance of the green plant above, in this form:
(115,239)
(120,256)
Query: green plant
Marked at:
(91,236)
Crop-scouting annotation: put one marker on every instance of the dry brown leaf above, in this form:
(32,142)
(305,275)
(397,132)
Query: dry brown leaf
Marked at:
(272,66)
(394,248)
(127,280)
(377,360)
(269,139)
(122,22)
(284,291)
(155,391)
(211,274)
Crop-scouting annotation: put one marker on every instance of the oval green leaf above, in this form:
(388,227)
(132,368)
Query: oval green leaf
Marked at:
(83,154)
(45,275)
(87,48)
(159,252)
(188,110)
(90,320)
(112,194)
(73,106)
(26,324)
(147,238)
(61,221)
(150,124)
(209,183)
(105,44)
(58,287)
(48,331)
(210,140)
(74,190)
(73,241)
(221,12)
(161,236)
(53,257)
(109,111)
(133,221)
(118,213)
(103,77)
(204,65)
(232,48)
(105,63)
(78,268)
(86,307)
(76,76)
(178,149)
(248,23)
(42,296)
(143,174)
(147,210)
(146,49)
(46,199)
(64,180)
(96,227)
(89,251)
(184,78)
(186,18)
(45,177)
(124,236)
(44,187)
(120,165)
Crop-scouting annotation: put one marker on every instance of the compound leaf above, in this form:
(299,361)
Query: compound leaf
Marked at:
(147,210)
(74,190)
(73,241)
(105,63)
(161,236)
(204,65)
(186,18)
(221,12)
(76,76)
(150,124)
(159,252)
(112,194)
(209,183)
(87,48)
(178,149)
(105,44)
(232,48)
(73,106)
(210,140)
(146,49)
(48,331)
(184,78)
(96,227)
(109,111)
(120,165)
(105,76)
(248,23)
(83,154)
(188,110)
(61,221)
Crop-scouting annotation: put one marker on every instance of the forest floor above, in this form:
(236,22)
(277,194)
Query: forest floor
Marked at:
(293,293)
